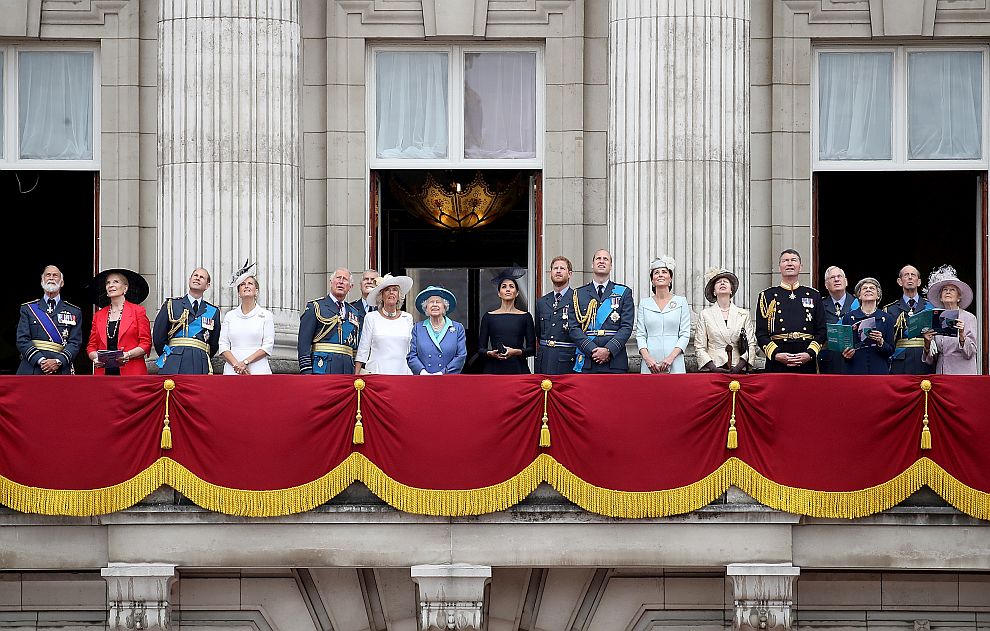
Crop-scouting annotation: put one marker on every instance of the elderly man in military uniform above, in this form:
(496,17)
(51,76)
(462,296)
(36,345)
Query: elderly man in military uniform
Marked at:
(838,302)
(368,281)
(187,330)
(907,357)
(49,331)
(790,323)
(603,321)
(329,330)
(554,314)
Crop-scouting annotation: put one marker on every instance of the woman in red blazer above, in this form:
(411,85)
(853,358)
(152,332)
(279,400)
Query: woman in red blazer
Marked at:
(121,325)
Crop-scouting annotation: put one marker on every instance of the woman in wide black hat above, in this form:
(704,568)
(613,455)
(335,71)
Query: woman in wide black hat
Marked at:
(121,333)
(508,335)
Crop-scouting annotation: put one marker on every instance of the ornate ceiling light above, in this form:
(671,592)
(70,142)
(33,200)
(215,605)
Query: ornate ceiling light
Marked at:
(460,207)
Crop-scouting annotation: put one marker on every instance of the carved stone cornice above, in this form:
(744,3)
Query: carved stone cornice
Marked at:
(763,595)
(138,595)
(451,596)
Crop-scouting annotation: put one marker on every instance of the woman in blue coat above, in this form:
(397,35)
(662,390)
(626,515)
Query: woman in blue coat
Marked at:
(873,355)
(438,345)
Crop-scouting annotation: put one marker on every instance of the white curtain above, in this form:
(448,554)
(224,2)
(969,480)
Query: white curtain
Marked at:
(500,105)
(55,102)
(945,105)
(411,100)
(854,96)
(1,105)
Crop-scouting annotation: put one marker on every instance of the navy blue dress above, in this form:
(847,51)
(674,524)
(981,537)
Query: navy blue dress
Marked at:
(515,330)
(873,359)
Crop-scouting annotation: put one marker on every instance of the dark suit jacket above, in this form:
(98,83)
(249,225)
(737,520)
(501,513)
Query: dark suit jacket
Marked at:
(135,330)
(616,342)
(29,328)
(830,362)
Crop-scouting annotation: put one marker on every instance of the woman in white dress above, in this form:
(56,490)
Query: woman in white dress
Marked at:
(247,334)
(385,333)
(663,323)
(725,340)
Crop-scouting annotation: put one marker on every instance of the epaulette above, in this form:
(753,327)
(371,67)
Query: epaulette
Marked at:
(889,305)
(29,302)
(71,305)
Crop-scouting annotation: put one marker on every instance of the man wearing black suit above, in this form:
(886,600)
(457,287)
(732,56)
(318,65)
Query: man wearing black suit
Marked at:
(603,321)
(554,314)
(838,302)
(367,284)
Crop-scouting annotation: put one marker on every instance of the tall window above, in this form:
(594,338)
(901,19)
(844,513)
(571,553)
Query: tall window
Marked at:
(901,108)
(48,107)
(456,106)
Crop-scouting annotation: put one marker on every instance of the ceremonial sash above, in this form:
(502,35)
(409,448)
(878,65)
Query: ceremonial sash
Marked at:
(191,331)
(602,314)
(51,330)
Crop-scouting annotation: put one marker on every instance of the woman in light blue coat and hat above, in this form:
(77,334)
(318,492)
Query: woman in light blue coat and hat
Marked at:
(663,324)
(438,345)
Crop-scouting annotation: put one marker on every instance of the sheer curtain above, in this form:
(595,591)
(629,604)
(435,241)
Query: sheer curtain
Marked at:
(55,102)
(945,105)
(854,95)
(500,105)
(411,101)
(1,105)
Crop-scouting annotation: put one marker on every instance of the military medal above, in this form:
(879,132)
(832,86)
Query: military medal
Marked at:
(808,303)
(206,336)
(614,317)
(65,333)
(792,296)
(320,362)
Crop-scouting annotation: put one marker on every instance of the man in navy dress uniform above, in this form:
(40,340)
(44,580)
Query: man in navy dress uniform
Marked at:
(49,331)
(554,314)
(329,331)
(603,321)
(187,330)
(790,324)
(837,302)
(907,359)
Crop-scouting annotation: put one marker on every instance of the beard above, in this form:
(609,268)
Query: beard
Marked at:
(50,288)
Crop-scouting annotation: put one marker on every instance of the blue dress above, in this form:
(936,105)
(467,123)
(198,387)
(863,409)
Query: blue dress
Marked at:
(872,359)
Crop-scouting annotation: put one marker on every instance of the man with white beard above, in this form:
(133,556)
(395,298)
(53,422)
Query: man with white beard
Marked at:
(49,332)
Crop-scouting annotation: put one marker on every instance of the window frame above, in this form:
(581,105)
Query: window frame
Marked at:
(455,108)
(899,112)
(10,158)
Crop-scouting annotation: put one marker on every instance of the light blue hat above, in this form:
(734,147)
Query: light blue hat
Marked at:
(434,290)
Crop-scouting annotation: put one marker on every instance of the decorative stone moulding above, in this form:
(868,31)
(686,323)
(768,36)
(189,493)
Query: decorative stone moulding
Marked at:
(763,595)
(451,596)
(138,595)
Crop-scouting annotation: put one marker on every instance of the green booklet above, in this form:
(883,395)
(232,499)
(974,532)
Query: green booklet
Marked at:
(917,323)
(840,337)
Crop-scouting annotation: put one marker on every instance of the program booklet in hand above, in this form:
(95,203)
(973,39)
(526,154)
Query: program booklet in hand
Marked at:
(840,337)
(110,359)
(917,323)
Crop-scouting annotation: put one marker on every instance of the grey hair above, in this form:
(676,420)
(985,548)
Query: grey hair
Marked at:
(446,303)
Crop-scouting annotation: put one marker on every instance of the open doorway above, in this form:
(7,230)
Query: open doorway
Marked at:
(50,219)
(463,258)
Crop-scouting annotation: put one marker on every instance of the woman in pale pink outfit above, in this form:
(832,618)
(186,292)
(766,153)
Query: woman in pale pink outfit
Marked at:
(952,354)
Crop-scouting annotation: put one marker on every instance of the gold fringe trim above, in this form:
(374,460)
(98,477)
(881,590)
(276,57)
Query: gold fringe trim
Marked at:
(498,497)
(83,503)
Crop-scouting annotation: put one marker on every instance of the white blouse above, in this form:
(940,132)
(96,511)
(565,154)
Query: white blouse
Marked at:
(385,344)
(244,333)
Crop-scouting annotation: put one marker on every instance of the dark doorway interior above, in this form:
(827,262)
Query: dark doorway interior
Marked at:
(871,224)
(48,217)
(410,244)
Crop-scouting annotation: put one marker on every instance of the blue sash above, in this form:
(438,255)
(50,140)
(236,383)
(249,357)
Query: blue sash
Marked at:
(47,324)
(604,311)
(192,330)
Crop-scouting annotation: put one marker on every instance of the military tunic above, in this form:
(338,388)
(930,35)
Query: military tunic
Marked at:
(327,341)
(907,357)
(555,353)
(35,344)
(186,340)
(791,320)
(614,331)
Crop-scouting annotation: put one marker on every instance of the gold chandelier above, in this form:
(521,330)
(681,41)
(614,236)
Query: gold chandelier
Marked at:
(460,207)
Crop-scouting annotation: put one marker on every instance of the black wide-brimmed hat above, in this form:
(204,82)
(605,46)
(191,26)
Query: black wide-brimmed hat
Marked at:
(137,286)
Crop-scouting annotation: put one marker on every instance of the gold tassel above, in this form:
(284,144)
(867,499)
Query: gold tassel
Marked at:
(926,435)
(732,442)
(358,427)
(169,385)
(545,385)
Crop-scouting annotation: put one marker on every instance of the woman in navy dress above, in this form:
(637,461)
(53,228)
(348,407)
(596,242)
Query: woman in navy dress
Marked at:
(873,358)
(508,335)
(438,345)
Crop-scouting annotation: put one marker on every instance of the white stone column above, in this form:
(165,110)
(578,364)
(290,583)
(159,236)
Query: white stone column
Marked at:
(678,140)
(451,596)
(763,595)
(229,176)
(138,595)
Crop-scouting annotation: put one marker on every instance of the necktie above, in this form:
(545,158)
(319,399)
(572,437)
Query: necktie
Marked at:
(195,307)
(838,309)
(911,303)
(601,293)
(556,300)
(340,308)
(51,305)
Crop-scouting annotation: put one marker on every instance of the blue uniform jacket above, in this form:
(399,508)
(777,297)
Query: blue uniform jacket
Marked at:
(424,354)
(907,360)
(552,329)
(320,323)
(67,317)
(185,360)
(619,329)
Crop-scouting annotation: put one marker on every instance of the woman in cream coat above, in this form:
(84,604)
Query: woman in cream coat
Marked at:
(663,323)
(724,325)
